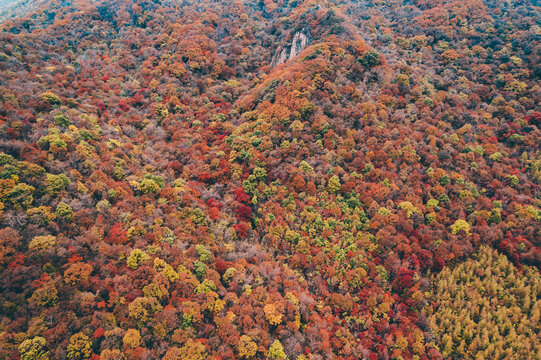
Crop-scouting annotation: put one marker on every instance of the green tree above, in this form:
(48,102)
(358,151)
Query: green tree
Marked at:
(276,351)
(51,98)
(64,210)
(56,183)
(334,184)
(370,59)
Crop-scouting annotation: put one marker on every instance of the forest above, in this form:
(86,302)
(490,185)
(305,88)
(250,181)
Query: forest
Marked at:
(270,179)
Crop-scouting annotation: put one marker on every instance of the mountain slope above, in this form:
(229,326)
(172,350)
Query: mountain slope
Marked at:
(169,191)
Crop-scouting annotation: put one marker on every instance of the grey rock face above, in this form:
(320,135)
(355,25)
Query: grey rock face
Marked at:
(301,39)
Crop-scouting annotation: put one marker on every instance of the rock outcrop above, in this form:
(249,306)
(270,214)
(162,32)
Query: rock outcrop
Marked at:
(301,39)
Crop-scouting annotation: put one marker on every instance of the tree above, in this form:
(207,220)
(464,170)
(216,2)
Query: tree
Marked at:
(9,242)
(39,243)
(132,338)
(114,354)
(79,347)
(56,183)
(142,308)
(370,59)
(34,349)
(192,350)
(77,272)
(273,316)
(136,258)
(334,184)
(460,225)
(46,295)
(64,210)
(51,98)
(247,348)
(276,351)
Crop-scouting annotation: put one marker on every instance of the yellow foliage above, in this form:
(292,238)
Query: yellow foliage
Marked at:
(460,225)
(165,269)
(409,208)
(485,306)
(34,349)
(132,338)
(42,242)
(142,308)
(46,295)
(272,314)
(192,350)
(115,354)
(77,272)
(80,347)
(247,347)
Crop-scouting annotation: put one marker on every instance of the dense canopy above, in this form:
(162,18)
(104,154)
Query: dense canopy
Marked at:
(270,179)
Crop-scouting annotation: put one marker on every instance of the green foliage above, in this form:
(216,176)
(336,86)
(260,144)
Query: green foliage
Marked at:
(403,80)
(444,198)
(56,183)
(51,98)
(168,236)
(370,59)
(354,162)
(432,203)
(64,210)
(383,211)
(200,269)
(62,120)
(148,186)
(382,272)
(162,110)
(229,274)
(497,156)
(53,140)
(204,254)
(444,180)
(6,159)
(119,173)
(305,168)
(197,216)
(513,179)
(367,168)
(260,173)
(186,321)
(409,208)
(276,351)
(334,184)
(205,287)
(21,195)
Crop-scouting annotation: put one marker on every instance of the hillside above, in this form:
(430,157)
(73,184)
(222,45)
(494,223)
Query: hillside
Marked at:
(265,179)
